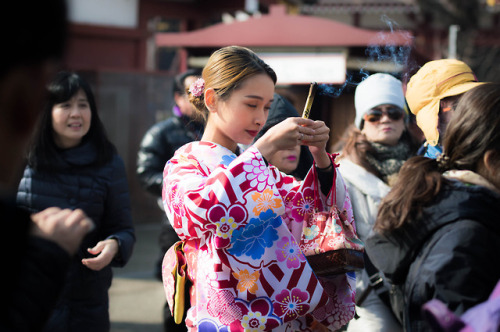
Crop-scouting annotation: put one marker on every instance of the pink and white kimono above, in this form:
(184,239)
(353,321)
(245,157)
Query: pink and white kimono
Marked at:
(240,221)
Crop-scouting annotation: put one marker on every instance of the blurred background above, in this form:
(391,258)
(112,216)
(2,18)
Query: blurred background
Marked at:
(130,51)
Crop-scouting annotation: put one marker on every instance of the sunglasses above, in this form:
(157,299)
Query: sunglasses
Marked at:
(374,115)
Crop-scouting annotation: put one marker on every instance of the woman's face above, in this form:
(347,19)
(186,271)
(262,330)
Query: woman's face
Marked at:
(286,160)
(71,120)
(384,128)
(182,100)
(240,118)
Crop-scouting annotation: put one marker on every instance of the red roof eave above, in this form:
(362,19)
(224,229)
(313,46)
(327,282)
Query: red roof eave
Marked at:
(283,30)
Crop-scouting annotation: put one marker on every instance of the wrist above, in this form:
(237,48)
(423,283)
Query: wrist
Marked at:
(266,150)
(325,169)
(322,161)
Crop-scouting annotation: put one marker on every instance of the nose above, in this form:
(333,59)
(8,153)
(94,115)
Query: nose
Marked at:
(385,114)
(385,117)
(75,111)
(261,117)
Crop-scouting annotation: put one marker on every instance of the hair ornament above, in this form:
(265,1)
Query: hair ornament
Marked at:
(443,161)
(197,87)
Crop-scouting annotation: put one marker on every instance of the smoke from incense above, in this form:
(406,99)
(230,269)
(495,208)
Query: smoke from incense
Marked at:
(380,51)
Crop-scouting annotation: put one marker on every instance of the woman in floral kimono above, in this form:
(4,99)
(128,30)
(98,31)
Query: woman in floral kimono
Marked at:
(240,219)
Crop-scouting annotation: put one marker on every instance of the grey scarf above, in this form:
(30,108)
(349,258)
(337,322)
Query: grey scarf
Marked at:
(387,160)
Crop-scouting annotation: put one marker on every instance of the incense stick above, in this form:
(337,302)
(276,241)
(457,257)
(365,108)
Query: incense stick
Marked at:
(309,101)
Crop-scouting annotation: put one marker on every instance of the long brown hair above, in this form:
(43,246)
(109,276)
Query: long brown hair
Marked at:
(473,130)
(355,148)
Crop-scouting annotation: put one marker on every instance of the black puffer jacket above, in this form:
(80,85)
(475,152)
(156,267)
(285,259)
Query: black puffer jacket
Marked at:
(450,254)
(102,192)
(159,145)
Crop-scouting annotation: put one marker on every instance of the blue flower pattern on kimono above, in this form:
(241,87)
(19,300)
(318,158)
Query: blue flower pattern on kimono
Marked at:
(207,325)
(259,234)
(227,159)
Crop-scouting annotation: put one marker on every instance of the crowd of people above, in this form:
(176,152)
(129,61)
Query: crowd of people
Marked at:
(237,171)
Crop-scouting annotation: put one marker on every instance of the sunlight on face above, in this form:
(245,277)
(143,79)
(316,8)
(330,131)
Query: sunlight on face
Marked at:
(386,130)
(239,119)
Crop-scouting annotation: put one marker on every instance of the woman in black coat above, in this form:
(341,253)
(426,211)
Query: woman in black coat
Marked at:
(72,164)
(437,234)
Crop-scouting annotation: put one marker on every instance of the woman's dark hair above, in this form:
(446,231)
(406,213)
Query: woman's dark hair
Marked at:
(63,87)
(473,130)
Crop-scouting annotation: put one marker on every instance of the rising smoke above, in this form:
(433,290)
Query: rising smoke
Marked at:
(380,50)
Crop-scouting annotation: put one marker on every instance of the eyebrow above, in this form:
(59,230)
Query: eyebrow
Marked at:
(258,97)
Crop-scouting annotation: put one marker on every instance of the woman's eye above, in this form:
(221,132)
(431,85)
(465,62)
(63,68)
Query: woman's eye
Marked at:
(252,106)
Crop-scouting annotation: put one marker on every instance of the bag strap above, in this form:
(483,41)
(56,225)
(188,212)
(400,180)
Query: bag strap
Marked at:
(333,190)
(376,282)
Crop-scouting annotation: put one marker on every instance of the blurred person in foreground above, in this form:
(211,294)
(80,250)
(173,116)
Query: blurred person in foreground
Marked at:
(432,95)
(437,233)
(36,249)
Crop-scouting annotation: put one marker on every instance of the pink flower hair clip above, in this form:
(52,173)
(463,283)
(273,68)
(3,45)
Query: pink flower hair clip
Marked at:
(197,87)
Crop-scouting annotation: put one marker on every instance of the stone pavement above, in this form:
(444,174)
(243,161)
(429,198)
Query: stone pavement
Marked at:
(136,297)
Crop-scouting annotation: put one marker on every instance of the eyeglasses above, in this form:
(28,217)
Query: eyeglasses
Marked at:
(374,115)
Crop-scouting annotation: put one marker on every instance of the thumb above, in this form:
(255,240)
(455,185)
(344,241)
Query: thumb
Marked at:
(97,248)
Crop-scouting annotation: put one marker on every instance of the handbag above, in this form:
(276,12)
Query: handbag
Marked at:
(179,279)
(329,241)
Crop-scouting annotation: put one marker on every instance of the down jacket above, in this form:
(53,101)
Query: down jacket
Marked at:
(102,192)
(450,253)
(159,145)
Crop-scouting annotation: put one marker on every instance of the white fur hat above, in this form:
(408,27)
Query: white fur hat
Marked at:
(377,89)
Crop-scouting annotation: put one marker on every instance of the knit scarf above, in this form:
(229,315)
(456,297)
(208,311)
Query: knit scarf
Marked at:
(387,160)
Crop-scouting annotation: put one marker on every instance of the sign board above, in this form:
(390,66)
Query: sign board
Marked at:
(118,13)
(304,68)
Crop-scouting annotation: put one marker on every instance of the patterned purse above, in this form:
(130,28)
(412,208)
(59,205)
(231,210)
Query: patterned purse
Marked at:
(329,240)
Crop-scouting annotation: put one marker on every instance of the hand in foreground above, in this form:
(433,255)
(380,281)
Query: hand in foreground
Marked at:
(64,227)
(105,251)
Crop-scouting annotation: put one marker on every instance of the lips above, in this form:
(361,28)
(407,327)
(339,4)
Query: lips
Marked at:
(252,133)
(291,158)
